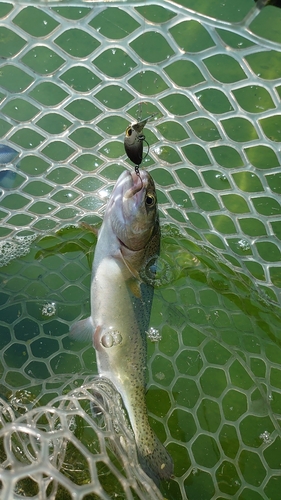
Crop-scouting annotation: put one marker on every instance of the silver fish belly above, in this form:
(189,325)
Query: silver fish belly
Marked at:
(121,304)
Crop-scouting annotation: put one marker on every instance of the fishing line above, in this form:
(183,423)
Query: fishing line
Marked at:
(143,139)
(134,138)
(137,171)
(139,116)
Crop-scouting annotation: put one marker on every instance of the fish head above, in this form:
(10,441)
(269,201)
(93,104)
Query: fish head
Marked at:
(132,210)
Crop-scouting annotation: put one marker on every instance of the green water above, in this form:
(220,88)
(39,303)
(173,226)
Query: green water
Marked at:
(208,373)
(214,387)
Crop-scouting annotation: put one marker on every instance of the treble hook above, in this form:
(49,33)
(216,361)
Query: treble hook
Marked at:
(137,171)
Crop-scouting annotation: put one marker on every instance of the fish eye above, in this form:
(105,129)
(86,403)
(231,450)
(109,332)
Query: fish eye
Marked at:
(129,131)
(150,200)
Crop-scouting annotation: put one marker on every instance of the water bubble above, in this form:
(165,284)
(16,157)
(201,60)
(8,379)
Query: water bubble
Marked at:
(111,338)
(16,247)
(265,436)
(49,309)
(113,51)
(156,272)
(158,150)
(45,23)
(153,334)
(244,245)
(117,338)
(107,340)
(221,177)
(104,194)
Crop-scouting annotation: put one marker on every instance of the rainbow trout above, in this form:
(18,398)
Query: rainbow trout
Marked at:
(121,301)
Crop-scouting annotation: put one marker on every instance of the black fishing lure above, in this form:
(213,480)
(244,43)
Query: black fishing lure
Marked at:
(133,141)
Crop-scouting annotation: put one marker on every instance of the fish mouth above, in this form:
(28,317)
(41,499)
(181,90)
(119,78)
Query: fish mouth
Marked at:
(129,184)
(136,187)
(126,209)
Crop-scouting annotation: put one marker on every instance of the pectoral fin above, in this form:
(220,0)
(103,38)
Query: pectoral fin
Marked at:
(133,272)
(82,330)
(134,282)
(134,287)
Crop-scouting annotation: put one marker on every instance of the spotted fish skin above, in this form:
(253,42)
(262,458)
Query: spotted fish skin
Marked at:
(121,304)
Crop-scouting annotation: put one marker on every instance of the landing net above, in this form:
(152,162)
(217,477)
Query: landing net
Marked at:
(73,76)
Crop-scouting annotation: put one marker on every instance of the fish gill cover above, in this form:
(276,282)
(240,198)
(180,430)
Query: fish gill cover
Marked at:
(73,76)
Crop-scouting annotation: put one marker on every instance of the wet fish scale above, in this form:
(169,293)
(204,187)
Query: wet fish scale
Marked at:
(121,302)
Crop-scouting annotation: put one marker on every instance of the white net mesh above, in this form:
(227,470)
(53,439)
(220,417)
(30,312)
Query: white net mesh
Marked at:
(72,77)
